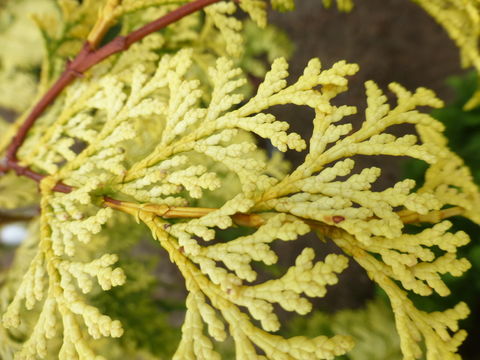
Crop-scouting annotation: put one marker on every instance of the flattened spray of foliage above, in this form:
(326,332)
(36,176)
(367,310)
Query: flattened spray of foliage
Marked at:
(142,113)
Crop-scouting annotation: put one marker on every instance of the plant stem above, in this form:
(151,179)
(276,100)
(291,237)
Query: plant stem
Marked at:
(27,172)
(409,217)
(65,79)
(181,212)
(86,59)
(249,220)
(255,220)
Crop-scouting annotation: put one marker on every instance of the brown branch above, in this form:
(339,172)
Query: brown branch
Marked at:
(255,220)
(435,216)
(65,79)
(242,219)
(86,59)
(179,212)
(27,172)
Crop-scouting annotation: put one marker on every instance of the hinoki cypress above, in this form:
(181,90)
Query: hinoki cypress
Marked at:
(142,113)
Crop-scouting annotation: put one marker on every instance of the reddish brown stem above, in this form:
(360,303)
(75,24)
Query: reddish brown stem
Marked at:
(67,77)
(25,171)
(89,57)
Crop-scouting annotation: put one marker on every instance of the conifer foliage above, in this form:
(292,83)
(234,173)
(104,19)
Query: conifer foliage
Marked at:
(128,124)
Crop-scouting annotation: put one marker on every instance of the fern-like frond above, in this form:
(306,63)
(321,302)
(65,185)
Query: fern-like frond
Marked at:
(157,132)
(438,330)
(226,292)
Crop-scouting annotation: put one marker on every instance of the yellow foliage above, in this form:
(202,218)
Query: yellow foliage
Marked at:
(156,130)
(438,330)
(165,173)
